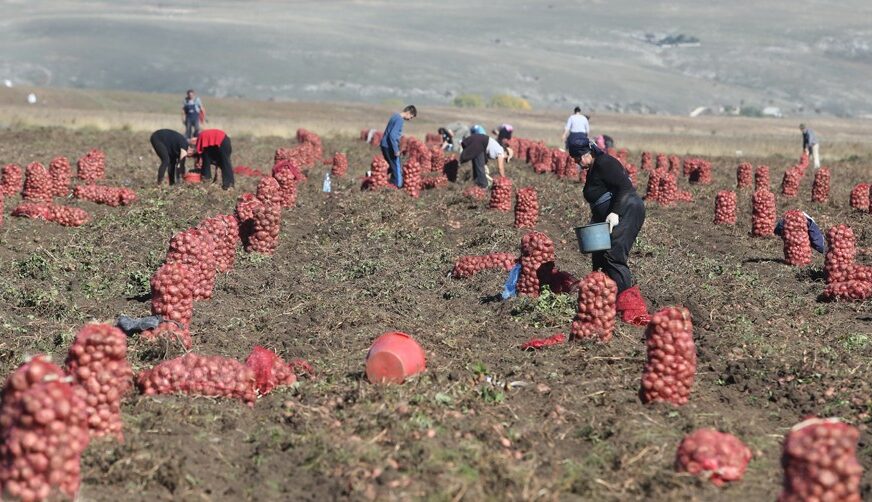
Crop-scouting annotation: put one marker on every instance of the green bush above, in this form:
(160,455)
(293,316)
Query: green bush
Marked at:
(509,102)
(469,101)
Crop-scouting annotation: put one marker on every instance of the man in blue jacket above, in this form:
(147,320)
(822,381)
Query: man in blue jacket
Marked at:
(390,143)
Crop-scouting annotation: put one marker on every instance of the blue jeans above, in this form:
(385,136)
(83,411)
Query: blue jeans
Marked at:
(395,169)
(192,126)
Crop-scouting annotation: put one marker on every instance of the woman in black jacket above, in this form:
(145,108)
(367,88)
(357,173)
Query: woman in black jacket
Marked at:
(172,148)
(614,200)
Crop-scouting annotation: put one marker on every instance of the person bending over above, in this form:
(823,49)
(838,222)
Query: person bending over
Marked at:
(172,148)
(213,147)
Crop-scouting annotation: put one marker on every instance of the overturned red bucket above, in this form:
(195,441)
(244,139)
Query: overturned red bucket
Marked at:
(394,357)
(192,177)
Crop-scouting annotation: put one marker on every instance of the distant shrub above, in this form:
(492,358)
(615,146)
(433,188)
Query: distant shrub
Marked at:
(509,102)
(750,111)
(469,101)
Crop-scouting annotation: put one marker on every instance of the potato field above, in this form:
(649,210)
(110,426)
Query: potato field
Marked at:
(254,386)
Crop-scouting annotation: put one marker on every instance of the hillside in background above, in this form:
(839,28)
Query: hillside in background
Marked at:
(804,56)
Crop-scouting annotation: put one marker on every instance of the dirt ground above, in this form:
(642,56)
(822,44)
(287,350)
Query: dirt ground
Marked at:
(486,420)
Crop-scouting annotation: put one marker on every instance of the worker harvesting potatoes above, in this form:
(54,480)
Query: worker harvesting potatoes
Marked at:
(213,147)
(390,143)
(172,148)
(614,200)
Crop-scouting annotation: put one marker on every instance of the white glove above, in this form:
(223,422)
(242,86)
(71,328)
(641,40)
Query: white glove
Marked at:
(612,219)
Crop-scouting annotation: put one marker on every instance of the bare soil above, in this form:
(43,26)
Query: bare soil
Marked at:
(486,420)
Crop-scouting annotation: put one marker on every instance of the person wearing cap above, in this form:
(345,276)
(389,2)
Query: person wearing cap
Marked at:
(390,142)
(614,200)
(477,148)
(577,129)
(213,147)
(504,135)
(172,148)
(810,145)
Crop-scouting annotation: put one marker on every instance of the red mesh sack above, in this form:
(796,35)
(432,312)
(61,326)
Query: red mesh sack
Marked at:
(790,182)
(97,362)
(501,194)
(716,456)
(820,190)
(92,166)
(412,182)
(198,375)
(194,247)
(526,208)
(469,265)
(172,292)
(378,177)
(536,250)
(269,192)
(841,253)
(475,192)
(670,368)
(11,180)
(265,233)
(744,175)
(68,216)
(269,370)
(797,245)
(37,184)
(284,174)
(761,178)
(820,462)
(763,213)
(848,290)
(224,230)
(860,196)
(725,208)
(59,172)
(110,196)
(339,165)
(43,433)
(652,191)
(246,207)
(595,316)
(434,181)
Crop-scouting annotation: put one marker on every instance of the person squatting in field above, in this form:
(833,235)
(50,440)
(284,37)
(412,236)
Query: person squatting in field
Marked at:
(193,112)
(213,147)
(172,148)
(390,143)
(504,136)
(614,200)
(478,147)
(577,129)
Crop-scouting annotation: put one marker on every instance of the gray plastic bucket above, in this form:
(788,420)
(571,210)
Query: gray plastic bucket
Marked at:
(593,237)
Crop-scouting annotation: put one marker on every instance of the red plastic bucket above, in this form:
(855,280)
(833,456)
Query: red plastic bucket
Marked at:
(394,357)
(192,177)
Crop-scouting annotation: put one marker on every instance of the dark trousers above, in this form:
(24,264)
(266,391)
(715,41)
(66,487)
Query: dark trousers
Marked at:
(192,126)
(479,162)
(219,155)
(613,262)
(168,162)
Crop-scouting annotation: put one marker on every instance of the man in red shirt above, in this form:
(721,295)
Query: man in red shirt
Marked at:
(213,147)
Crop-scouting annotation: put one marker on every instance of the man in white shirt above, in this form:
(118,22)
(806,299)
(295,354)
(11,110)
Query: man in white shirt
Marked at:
(577,129)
